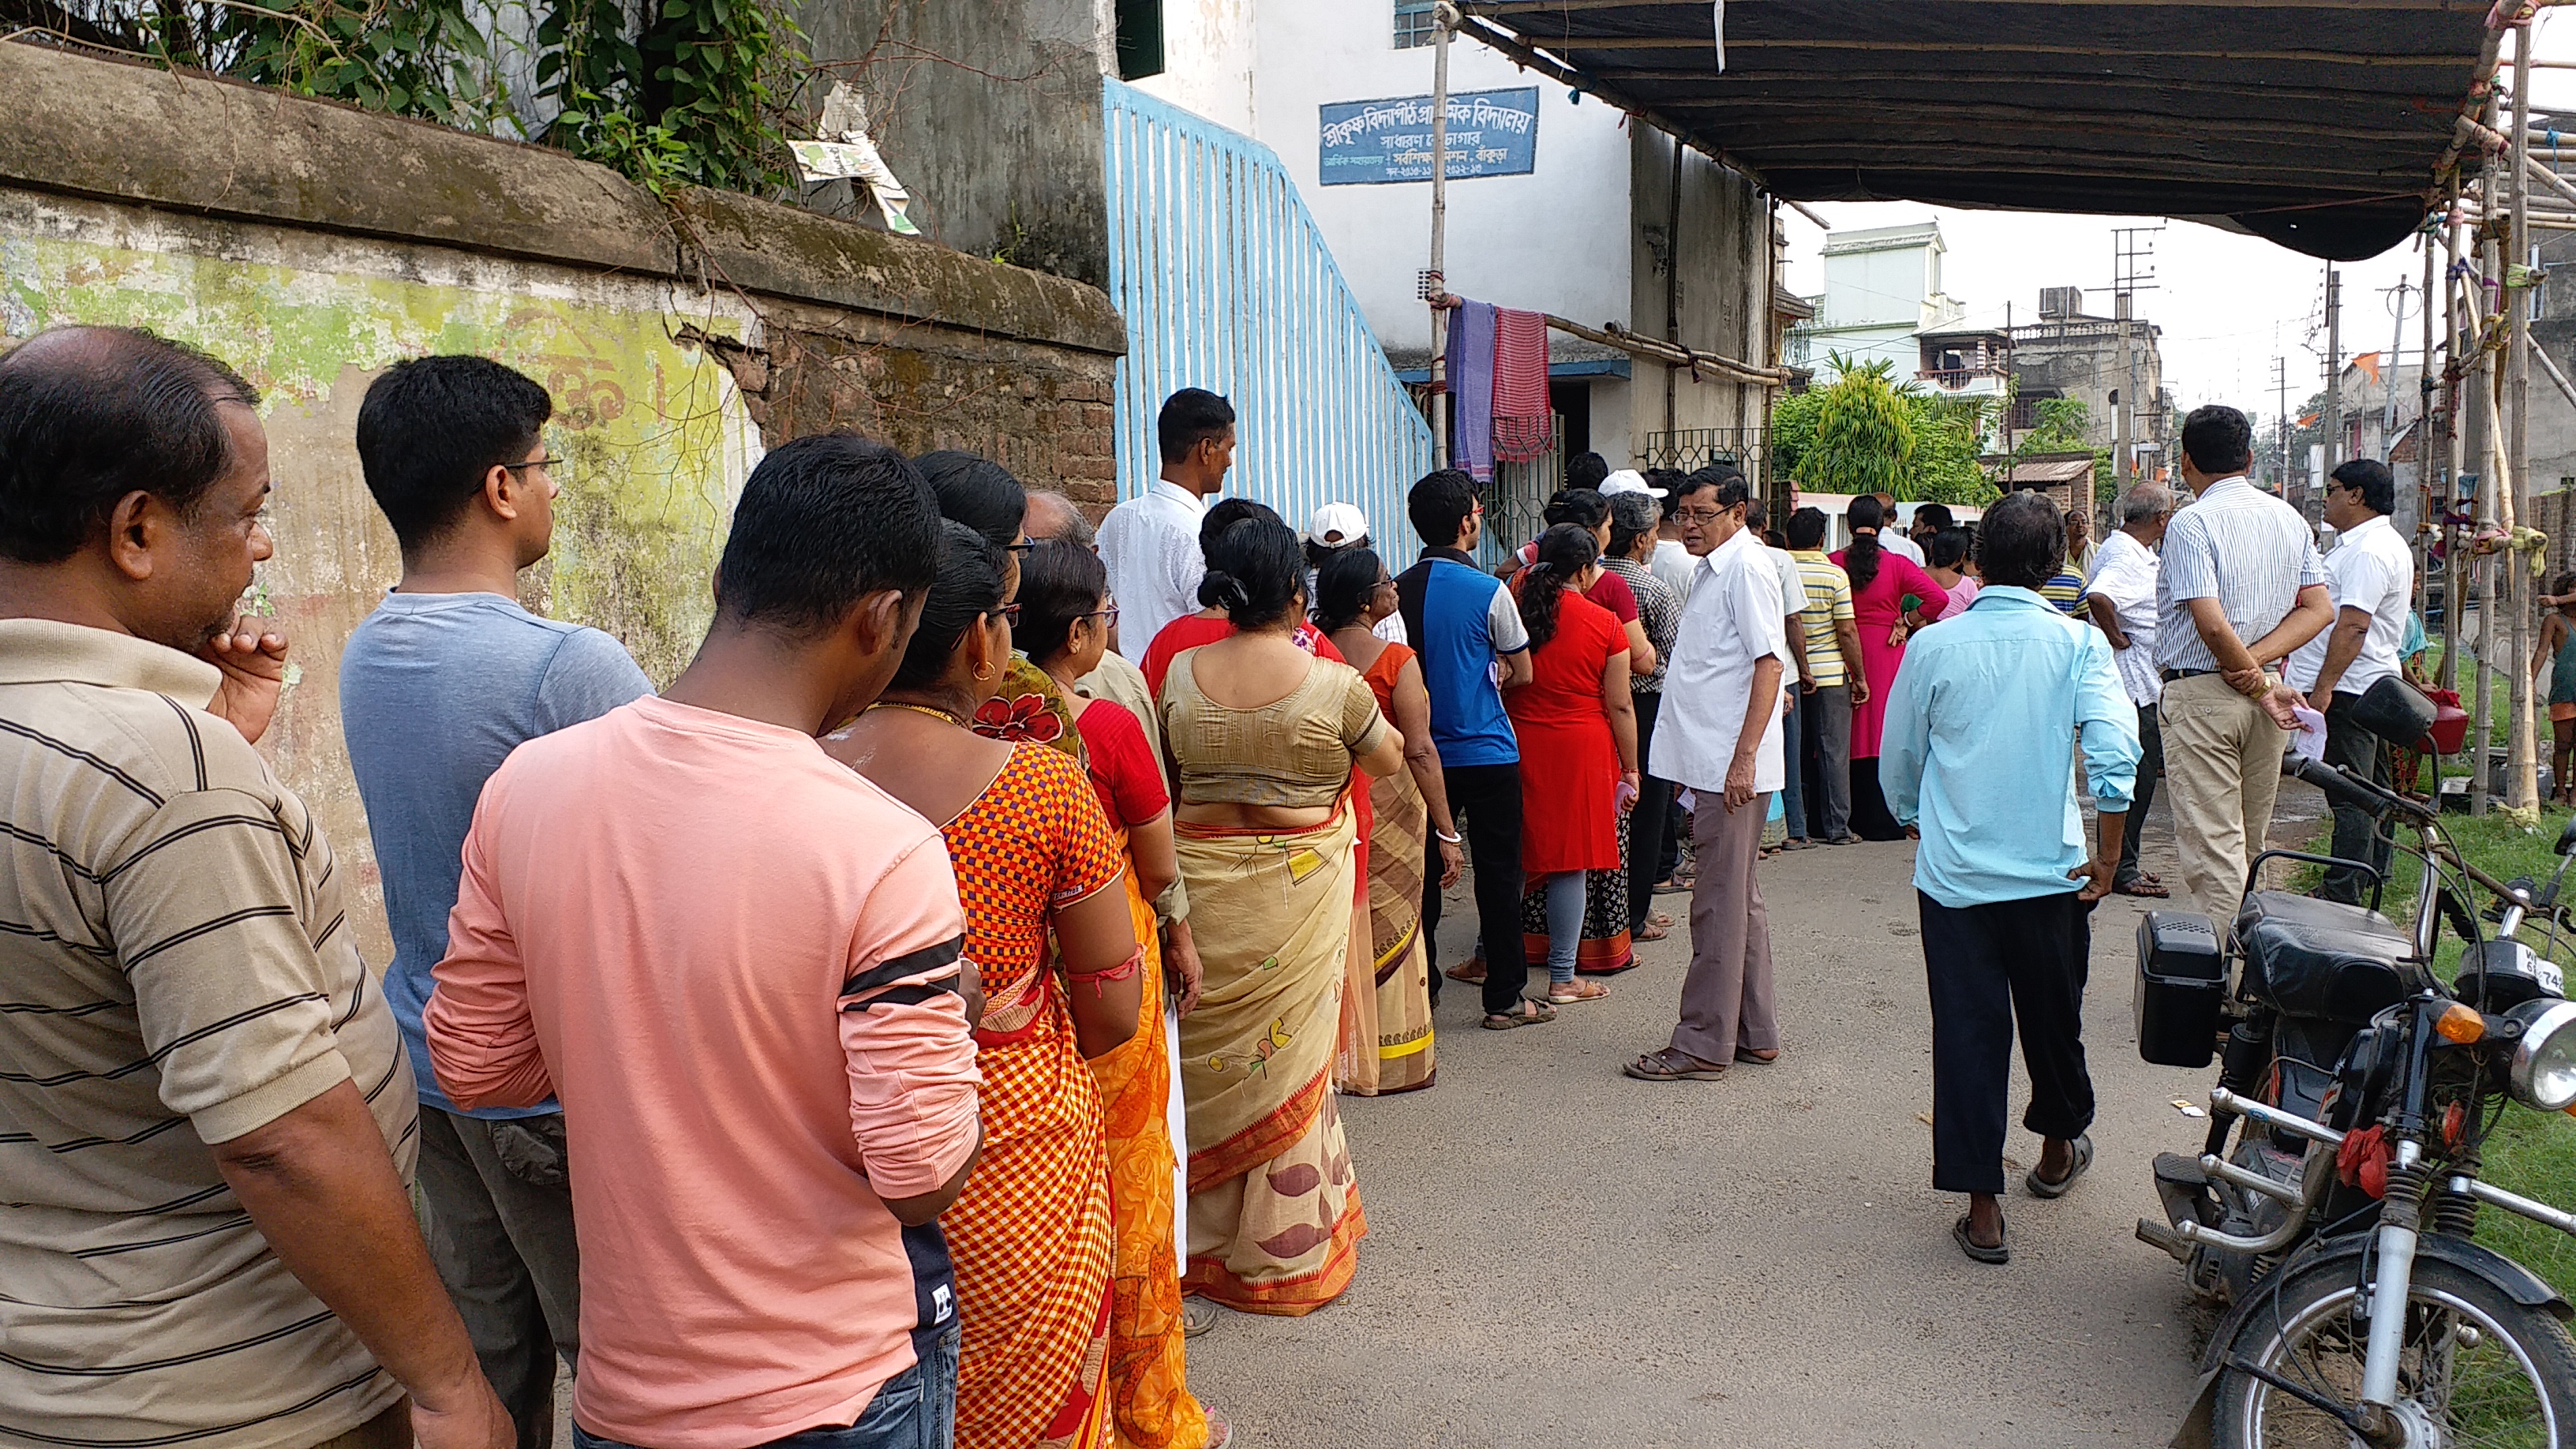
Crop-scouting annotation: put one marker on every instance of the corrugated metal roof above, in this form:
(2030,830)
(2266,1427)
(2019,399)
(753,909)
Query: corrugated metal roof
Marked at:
(2316,123)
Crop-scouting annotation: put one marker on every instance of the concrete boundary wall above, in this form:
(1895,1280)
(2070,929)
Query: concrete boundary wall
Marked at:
(312,245)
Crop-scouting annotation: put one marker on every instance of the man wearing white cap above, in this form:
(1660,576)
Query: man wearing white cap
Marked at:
(1335,527)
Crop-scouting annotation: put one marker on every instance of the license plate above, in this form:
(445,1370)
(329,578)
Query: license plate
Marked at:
(2553,980)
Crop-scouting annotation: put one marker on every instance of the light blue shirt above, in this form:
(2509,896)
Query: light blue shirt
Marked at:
(1979,747)
(435,691)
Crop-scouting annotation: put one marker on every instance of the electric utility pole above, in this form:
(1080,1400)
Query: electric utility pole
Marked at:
(2281,386)
(2132,252)
(2334,369)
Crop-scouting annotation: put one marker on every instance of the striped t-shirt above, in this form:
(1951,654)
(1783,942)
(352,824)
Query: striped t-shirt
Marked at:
(1828,599)
(176,969)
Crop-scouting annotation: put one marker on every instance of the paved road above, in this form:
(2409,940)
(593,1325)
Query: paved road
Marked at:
(1562,1256)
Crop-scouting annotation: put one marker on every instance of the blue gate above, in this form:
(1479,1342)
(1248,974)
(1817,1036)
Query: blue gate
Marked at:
(1226,283)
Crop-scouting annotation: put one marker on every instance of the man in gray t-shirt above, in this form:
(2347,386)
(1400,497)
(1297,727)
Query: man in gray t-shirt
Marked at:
(437,686)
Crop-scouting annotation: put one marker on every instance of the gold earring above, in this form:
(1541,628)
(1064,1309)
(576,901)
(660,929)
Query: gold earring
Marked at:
(983,672)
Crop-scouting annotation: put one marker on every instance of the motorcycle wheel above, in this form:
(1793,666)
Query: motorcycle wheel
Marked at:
(2478,1367)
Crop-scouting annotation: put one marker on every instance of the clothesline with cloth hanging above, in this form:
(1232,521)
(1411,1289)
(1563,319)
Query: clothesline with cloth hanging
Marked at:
(1497,377)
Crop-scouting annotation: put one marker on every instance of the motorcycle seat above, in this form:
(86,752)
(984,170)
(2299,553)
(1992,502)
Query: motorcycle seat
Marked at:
(2325,960)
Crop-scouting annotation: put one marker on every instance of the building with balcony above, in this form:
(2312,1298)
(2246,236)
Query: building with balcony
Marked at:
(1882,289)
(2069,353)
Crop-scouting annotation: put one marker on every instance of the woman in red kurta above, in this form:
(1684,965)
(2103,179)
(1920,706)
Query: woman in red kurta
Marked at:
(1578,740)
(1880,584)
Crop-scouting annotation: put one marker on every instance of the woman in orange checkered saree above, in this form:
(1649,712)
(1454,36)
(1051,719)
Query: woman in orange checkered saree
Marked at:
(1034,856)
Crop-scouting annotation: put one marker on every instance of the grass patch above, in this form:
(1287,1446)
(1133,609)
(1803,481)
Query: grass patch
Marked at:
(2532,1153)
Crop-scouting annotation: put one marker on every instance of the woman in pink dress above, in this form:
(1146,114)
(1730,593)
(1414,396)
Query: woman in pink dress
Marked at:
(1881,584)
(1946,559)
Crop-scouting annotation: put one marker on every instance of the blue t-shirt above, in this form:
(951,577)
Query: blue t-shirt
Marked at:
(435,691)
(1461,619)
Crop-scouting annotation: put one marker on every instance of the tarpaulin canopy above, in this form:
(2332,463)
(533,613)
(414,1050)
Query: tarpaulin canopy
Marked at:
(2317,123)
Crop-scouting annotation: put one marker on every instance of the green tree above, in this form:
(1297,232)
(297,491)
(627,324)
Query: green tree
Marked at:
(1866,433)
(2060,429)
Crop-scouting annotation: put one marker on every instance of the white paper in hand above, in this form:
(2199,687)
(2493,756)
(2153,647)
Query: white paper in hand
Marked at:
(2311,741)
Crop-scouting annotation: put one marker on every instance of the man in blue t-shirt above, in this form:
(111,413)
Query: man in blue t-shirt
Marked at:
(437,686)
(1462,621)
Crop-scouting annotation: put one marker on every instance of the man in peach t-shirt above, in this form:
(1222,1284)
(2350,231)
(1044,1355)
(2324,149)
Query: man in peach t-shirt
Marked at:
(736,963)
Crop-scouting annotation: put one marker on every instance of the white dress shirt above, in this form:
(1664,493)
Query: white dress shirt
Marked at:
(2371,568)
(2241,546)
(1150,546)
(1730,623)
(1892,538)
(2124,571)
(1793,600)
(1674,565)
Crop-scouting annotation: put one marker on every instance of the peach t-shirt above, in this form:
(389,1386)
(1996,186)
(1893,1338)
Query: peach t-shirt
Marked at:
(734,962)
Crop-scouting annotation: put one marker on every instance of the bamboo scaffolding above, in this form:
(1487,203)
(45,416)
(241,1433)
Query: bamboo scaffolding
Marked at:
(2523,768)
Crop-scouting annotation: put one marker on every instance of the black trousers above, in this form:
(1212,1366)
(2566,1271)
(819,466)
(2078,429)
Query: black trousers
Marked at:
(1988,965)
(1646,824)
(2151,762)
(2355,836)
(1486,801)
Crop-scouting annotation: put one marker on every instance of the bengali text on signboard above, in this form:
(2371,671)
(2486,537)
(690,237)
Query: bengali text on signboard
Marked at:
(1491,133)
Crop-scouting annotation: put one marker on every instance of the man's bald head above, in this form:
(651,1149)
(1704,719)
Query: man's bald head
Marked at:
(92,415)
(1052,515)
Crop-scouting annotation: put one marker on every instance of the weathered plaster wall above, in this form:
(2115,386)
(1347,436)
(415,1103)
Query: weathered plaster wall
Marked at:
(989,112)
(1721,253)
(312,245)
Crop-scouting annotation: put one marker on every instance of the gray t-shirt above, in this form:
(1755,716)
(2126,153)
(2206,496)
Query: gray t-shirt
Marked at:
(435,691)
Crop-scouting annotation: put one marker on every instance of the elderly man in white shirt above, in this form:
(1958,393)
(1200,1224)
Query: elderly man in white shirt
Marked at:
(1720,737)
(2122,598)
(1150,544)
(2371,575)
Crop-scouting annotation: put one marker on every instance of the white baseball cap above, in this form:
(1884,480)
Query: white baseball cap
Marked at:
(1628,480)
(1337,524)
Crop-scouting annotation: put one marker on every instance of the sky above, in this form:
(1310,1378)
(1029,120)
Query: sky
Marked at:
(2227,304)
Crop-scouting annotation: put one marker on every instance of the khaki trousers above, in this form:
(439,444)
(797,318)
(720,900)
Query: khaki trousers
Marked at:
(2222,771)
(1726,998)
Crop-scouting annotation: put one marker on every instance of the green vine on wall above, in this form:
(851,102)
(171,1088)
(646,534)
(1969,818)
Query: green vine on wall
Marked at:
(695,92)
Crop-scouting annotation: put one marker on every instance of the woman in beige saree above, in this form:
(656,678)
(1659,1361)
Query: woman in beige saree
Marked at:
(1387,1041)
(1263,737)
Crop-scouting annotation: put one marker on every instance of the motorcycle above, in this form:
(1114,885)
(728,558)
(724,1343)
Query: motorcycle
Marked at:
(2339,1230)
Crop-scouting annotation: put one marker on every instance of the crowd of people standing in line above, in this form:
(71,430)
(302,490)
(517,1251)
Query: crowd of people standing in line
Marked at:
(881,1035)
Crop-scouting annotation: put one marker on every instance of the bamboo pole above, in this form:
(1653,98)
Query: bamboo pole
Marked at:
(2454,563)
(1445,21)
(2427,474)
(2516,492)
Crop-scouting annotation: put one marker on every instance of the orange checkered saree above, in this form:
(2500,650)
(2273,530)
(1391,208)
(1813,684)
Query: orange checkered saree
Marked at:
(1031,1235)
(1275,1218)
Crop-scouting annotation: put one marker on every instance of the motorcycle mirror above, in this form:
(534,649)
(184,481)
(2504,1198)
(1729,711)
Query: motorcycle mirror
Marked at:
(2567,838)
(2394,710)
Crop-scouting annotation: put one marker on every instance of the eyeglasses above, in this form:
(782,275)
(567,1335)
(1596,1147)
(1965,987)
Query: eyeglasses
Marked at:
(1700,515)
(1110,613)
(1023,546)
(549,464)
(1010,611)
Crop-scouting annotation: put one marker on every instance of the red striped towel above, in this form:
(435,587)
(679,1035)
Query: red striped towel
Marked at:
(1524,424)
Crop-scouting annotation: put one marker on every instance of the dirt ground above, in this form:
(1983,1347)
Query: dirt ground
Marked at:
(1559,1255)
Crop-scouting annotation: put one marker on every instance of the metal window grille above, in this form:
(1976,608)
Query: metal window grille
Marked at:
(1416,23)
(1516,500)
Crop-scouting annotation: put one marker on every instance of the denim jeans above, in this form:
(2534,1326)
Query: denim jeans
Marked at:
(916,1409)
(1793,803)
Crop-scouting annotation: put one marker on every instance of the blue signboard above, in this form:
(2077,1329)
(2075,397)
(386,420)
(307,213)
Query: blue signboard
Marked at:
(1491,133)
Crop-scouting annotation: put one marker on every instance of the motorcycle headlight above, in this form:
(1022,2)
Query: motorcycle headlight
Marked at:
(2544,1059)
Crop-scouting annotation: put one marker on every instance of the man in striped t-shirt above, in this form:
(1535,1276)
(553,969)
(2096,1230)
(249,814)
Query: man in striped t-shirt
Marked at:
(205,1116)
(1833,673)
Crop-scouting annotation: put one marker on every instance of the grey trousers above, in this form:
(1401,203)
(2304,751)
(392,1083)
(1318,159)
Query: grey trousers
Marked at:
(1827,716)
(2356,835)
(1726,998)
(500,1230)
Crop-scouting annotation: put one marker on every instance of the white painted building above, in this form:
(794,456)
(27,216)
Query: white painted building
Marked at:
(1582,235)
(1882,289)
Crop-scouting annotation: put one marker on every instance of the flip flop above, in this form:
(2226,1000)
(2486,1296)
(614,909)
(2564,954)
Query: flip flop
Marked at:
(2001,1252)
(1648,932)
(2042,1187)
(1578,990)
(1471,971)
(1759,1059)
(1529,1013)
(1666,1066)
(2144,889)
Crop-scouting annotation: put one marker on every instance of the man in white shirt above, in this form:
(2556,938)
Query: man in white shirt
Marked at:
(1892,538)
(2371,575)
(1722,741)
(2122,599)
(1151,543)
(1794,681)
(1673,562)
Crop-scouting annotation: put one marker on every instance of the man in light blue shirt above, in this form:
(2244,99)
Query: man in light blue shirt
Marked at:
(1978,759)
(437,686)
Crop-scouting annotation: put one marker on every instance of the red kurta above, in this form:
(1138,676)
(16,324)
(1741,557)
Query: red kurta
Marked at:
(1569,763)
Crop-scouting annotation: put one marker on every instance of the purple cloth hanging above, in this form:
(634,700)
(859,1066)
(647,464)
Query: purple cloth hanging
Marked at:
(1471,390)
